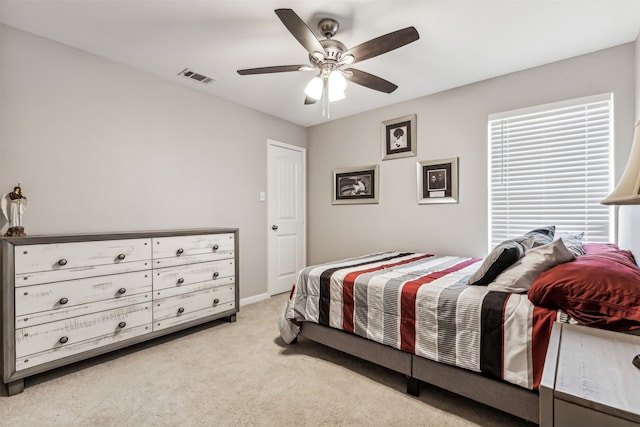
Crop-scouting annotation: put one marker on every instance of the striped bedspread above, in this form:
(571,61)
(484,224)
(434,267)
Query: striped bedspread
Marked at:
(421,304)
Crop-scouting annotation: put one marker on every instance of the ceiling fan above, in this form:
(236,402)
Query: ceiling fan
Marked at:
(330,57)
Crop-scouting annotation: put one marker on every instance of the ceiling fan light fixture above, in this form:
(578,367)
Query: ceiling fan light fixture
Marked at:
(314,88)
(337,81)
(336,84)
(347,59)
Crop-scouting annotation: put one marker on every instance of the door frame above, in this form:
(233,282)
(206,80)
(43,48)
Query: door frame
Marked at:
(270,236)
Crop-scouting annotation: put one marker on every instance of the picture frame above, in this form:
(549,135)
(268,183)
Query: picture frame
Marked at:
(438,181)
(399,137)
(356,185)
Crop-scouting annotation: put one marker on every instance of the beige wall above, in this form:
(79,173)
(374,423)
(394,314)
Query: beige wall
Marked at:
(637,76)
(451,123)
(101,147)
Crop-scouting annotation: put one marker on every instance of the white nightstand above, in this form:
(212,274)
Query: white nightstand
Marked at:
(589,379)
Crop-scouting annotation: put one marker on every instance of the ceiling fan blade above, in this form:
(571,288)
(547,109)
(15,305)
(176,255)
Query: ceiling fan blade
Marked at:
(383,44)
(309,100)
(369,80)
(275,69)
(300,30)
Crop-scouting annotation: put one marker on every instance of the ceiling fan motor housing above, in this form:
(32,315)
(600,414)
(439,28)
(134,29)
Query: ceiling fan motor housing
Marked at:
(333,50)
(328,27)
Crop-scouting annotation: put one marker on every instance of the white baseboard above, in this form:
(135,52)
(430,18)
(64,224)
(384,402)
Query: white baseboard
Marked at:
(254,299)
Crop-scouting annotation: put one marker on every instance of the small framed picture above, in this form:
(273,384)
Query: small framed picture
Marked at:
(355,185)
(399,137)
(438,181)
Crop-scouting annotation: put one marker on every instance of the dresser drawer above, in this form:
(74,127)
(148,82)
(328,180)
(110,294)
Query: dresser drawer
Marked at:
(195,315)
(53,335)
(33,319)
(185,275)
(71,349)
(179,250)
(196,287)
(64,295)
(567,414)
(186,307)
(35,264)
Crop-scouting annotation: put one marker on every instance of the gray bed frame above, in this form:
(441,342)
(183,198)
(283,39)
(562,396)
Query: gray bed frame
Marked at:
(506,397)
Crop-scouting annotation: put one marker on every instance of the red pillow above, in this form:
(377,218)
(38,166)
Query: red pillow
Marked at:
(598,248)
(600,288)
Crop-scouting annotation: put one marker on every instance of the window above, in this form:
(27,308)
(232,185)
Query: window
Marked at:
(550,165)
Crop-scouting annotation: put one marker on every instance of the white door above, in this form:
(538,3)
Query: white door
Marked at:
(286,213)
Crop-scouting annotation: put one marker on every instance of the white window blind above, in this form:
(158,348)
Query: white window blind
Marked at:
(550,165)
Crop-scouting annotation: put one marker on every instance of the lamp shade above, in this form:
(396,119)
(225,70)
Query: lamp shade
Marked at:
(314,88)
(627,192)
(337,81)
(337,85)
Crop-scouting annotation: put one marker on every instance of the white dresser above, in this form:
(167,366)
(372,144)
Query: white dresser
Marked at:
(68,298)
(589,379)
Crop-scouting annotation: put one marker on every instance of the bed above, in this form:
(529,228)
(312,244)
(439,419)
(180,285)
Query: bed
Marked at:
(464,324)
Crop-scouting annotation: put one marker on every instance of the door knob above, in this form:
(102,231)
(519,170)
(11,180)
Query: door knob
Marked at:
(274,227)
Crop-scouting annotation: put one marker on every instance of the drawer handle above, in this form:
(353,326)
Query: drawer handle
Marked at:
(63,340)
(122,291)
(121,257)
(179,252)
(180,281)
(216,301)
(62,262)
(122,325)
(63,301)
(181,310)
(216,247)
(215,275)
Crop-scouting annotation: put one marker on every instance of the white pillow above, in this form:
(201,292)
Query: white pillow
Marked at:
(519,276)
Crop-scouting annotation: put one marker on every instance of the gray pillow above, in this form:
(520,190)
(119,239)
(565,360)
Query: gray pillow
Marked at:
(573,242)
(542,235)
(519,277)
(499,259)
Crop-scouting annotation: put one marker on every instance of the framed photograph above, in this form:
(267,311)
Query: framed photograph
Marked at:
(399,137)
(438,181)
(355,185)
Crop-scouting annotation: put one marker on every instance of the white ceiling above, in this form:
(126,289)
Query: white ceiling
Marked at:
(460,41)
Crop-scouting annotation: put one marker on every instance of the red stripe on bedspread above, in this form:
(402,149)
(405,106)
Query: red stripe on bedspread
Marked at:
(347,304)
(348,285)
(408,303)
(543,320)
(408,313)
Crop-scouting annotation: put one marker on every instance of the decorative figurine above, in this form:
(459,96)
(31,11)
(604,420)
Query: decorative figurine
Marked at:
(13,205)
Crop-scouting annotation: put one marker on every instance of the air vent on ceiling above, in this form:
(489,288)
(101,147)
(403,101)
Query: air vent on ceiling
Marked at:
(192,75)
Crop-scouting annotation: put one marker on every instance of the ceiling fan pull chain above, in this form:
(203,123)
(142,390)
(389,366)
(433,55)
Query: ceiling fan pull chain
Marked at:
(325,97)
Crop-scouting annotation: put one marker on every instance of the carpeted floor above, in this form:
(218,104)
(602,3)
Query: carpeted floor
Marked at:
(235,374)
